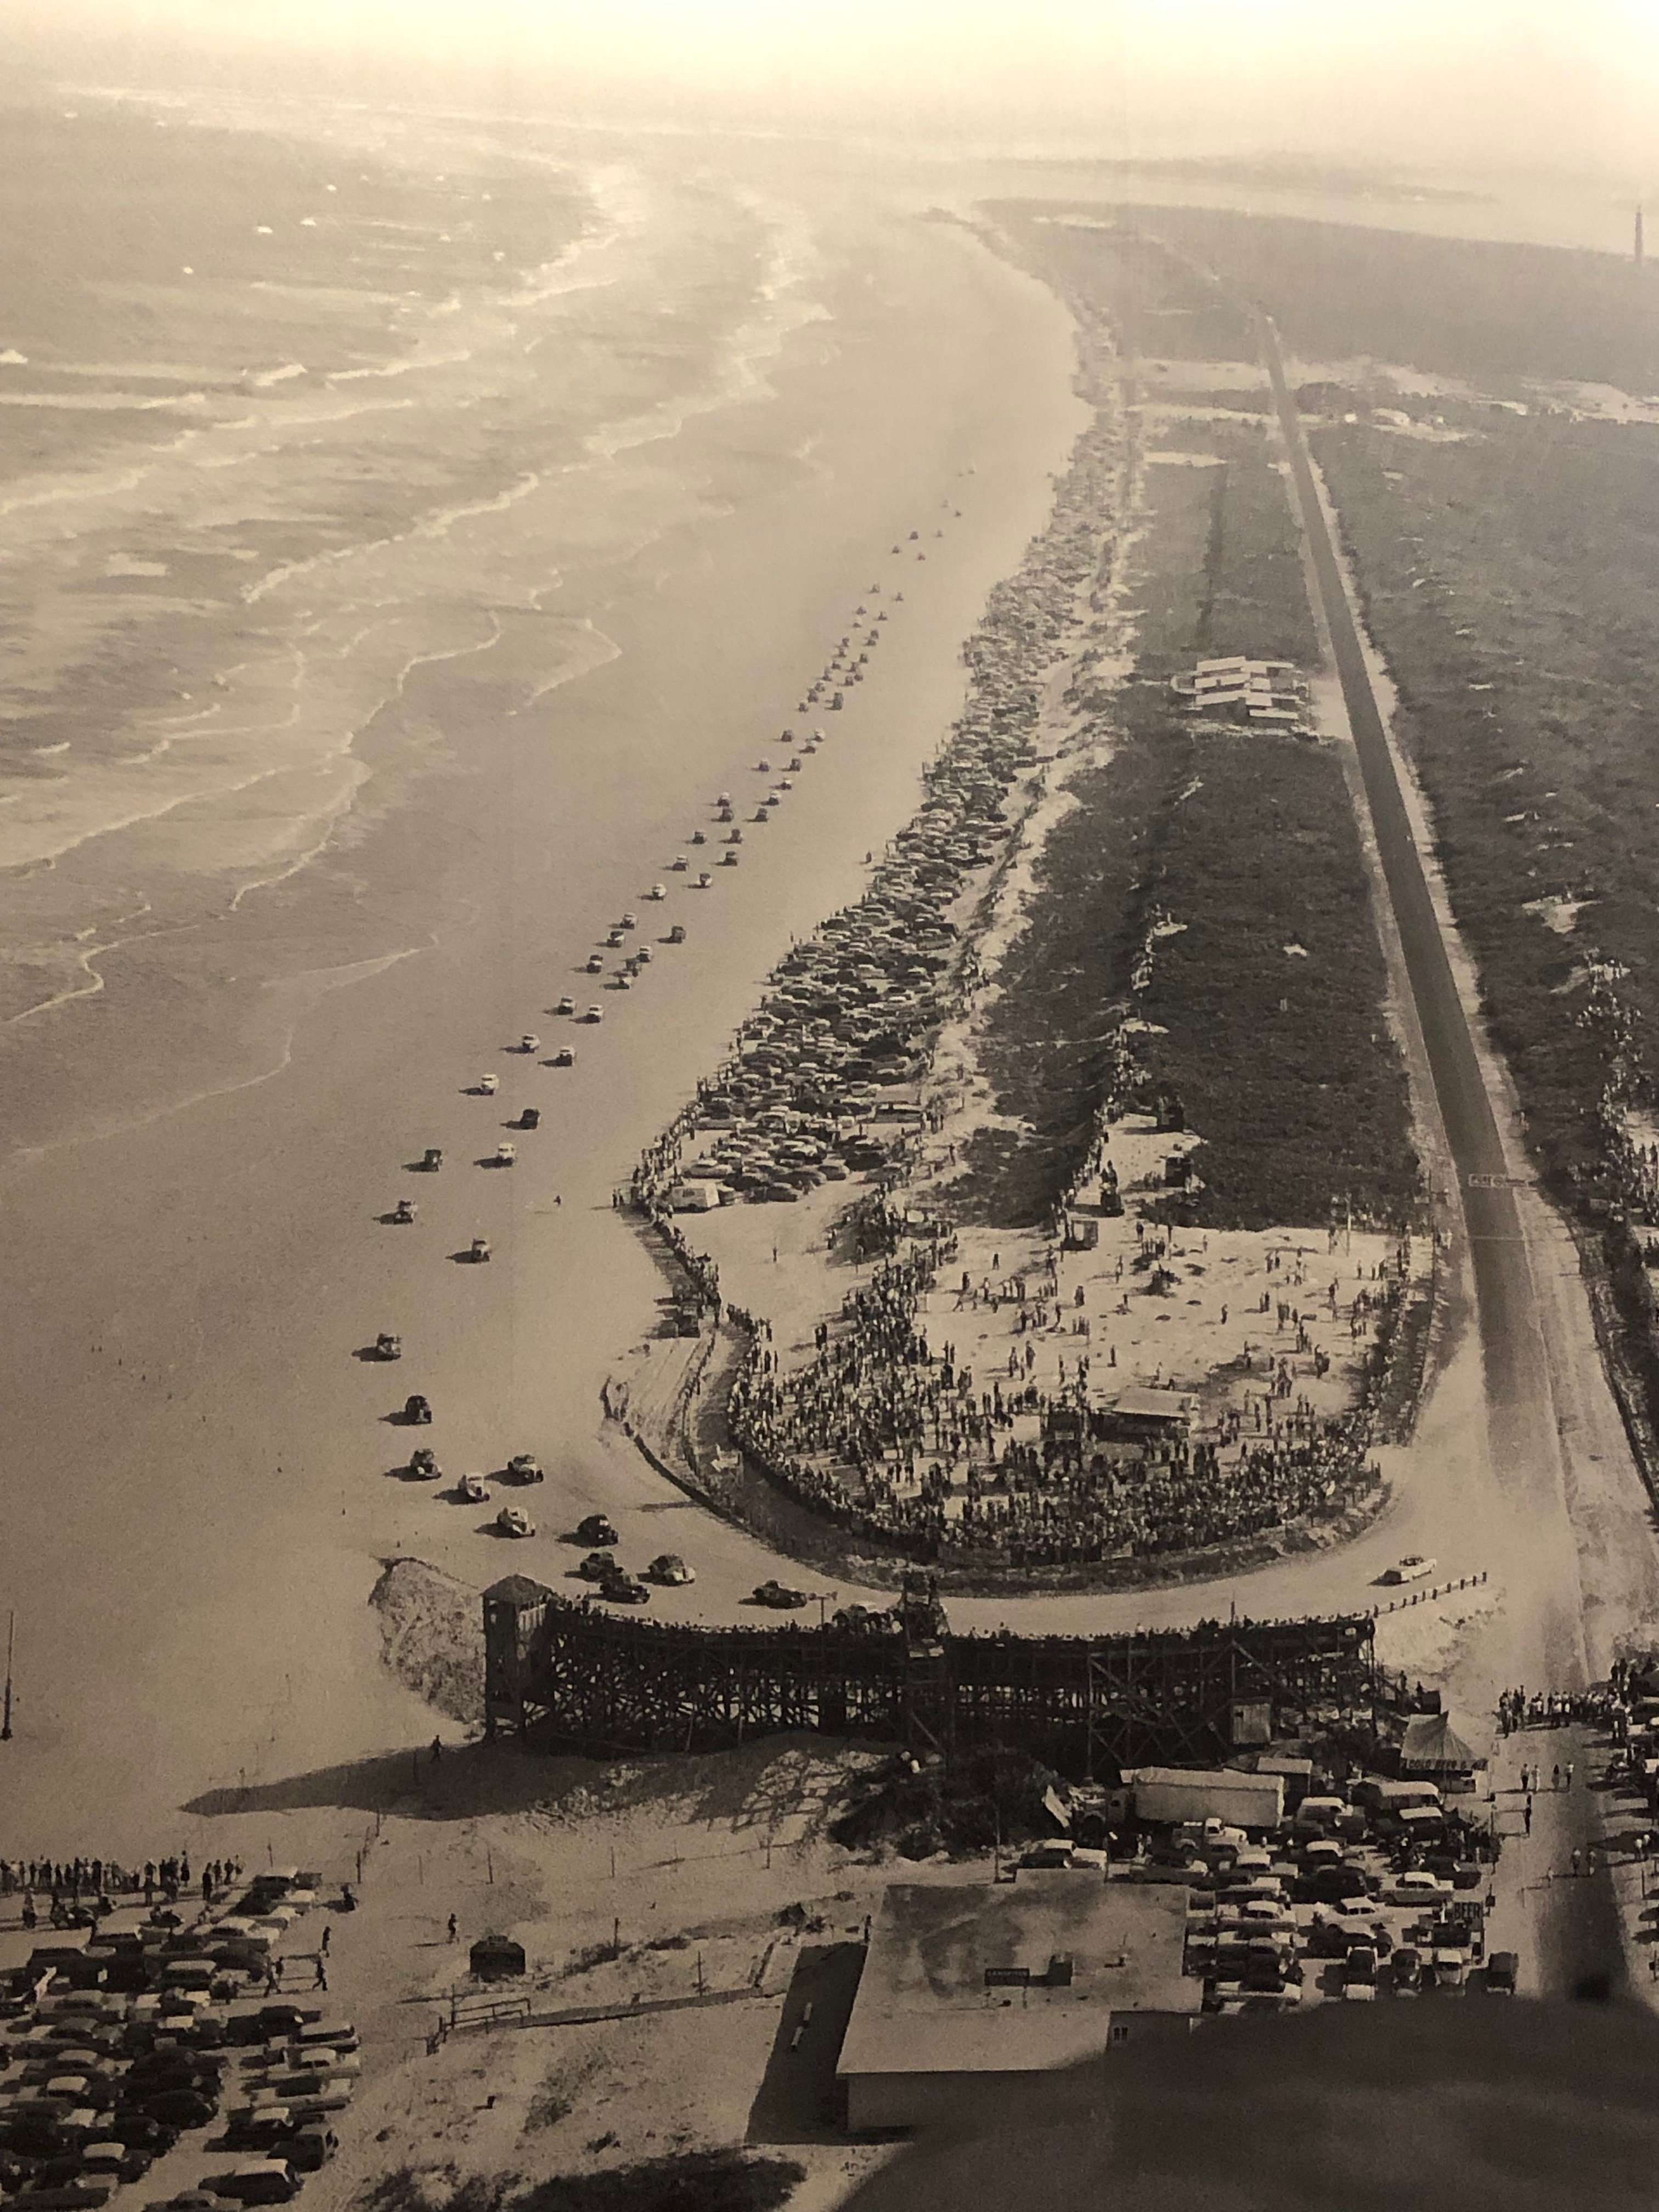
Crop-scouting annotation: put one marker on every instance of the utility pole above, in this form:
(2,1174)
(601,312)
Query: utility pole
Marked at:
(11,1633)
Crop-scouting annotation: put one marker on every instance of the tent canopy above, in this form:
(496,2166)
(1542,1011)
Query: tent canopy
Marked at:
(1432,1746)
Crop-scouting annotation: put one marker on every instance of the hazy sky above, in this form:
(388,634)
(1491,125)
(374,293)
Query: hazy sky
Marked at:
(1478,82)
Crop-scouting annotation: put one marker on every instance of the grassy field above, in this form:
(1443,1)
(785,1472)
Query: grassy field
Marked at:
(1505,542)
(1282,1058)
(1270,997)
(1493,312)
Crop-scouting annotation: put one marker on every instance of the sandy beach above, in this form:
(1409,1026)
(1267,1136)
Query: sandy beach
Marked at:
(205,1480)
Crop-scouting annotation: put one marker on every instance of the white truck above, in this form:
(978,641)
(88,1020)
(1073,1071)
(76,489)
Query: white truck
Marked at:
(1174,1796)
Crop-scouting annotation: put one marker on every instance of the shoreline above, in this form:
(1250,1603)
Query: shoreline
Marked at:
(201,1496)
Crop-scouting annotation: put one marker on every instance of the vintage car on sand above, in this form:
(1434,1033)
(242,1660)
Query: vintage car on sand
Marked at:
(513,1521)
(417,1408)
(671,1569)
(1413,1568)
(621,1589)
(388,1346)
(472,1489)
(423,1462)
(524,1467)
(596,1529)
(779,1597)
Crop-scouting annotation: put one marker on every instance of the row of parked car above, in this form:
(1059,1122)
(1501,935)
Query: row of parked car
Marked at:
(1343,1893)
(113,2052)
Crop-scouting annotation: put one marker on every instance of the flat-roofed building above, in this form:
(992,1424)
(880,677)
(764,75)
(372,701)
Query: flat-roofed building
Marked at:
(1143,1415)
(964,1985)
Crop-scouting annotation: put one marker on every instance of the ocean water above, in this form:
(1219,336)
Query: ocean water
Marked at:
(291,416)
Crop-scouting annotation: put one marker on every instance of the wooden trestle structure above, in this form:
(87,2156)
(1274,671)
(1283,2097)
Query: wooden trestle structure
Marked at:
(574,1676)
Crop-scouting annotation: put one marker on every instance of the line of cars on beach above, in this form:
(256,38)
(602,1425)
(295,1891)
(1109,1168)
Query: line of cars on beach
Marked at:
(113,2054)
(845,666)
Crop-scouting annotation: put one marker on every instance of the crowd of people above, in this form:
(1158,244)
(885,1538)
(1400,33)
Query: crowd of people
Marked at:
(894,1441)
(73,1891)
(1605,1705)
(876,1431)
(849,1017)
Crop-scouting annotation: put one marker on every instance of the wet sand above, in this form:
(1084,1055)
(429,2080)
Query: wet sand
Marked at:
(204,1481)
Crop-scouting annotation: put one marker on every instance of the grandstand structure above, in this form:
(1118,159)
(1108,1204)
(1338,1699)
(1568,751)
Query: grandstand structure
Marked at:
(569,1675)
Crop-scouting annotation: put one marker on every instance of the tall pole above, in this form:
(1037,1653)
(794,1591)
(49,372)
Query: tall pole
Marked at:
(11,1633)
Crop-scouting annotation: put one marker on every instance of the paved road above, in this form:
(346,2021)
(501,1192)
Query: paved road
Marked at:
(1521,1409)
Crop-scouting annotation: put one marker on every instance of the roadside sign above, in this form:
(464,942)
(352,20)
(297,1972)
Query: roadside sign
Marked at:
(1499,1182)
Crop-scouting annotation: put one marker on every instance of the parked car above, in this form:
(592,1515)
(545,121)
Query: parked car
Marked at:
(565,1056)
(417,1409)
(1405,1971)
(513,1521)
(1413,1568)
(595,963)
(506,1155)
(404,1211)
(478,1250)
(388,1346)
(1335,1884)
(670,1569)
(676,934)
(594,1014)
(779,1597)
(530,1041)
(531,1118)
(423,1462)
(597,1567)
(176,2107)
(308,2149)
(471,1490)
(596,1529)
(1502,1969)
(568,1004)
(1429,1890)
(489,1085)
(524,1467)
(256,2181)
(432,1158)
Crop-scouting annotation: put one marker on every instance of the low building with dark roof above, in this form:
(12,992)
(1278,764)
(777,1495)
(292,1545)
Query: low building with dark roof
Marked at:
(967,1984)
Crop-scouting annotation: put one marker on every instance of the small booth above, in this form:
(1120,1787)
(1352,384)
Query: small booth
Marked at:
(497,1959)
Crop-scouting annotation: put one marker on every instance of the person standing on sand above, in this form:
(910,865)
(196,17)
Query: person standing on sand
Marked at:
(320,1979)
(451,1927)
